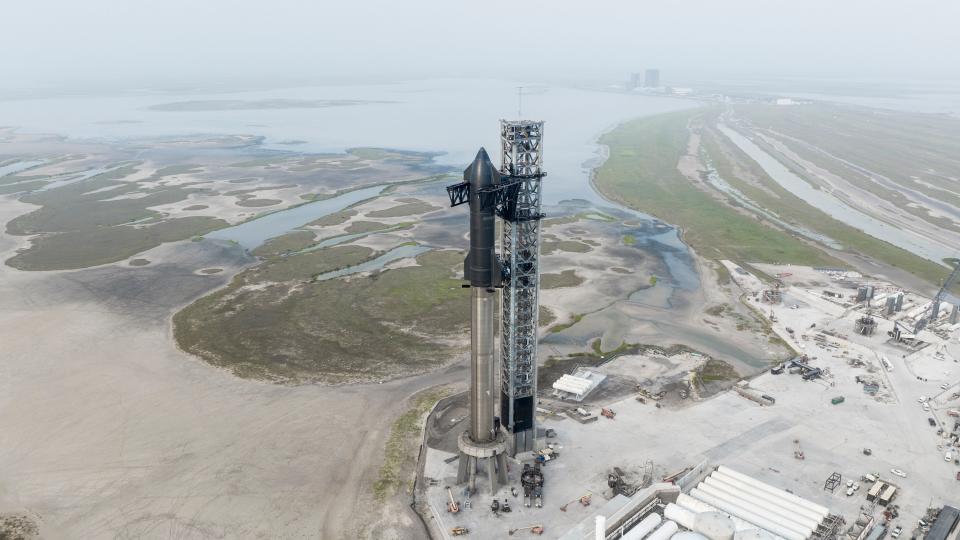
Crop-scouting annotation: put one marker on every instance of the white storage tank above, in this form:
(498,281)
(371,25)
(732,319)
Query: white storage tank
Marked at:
(643,528)
(787,532)
(695,506)
(714,525)
(684,517)
(664,532)
(688,535)
(779,492)
(728,482)
(759,501)
(753,534)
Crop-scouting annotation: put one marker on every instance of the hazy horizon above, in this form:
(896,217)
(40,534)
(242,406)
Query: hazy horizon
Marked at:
(111,43)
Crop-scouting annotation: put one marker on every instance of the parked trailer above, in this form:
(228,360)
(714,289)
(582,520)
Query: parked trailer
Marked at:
(875,491)
(776,491)
(788,532)
(770,498)
(768,504)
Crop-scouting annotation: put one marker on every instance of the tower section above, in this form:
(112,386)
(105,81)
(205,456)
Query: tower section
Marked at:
(521,166)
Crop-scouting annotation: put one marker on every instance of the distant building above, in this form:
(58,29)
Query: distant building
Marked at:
(636,81)
(651,78)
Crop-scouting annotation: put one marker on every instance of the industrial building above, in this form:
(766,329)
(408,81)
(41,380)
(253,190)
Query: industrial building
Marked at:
(944,525)
(725,505)
(651,78)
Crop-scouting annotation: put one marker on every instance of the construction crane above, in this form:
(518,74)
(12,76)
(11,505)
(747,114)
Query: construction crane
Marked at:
(452,506)
(931,313)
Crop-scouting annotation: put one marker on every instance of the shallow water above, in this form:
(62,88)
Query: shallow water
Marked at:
(452,116)
(397,253)
(251,234)
(18,166)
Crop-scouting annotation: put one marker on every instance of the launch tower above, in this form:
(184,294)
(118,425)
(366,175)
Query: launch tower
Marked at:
(522,168)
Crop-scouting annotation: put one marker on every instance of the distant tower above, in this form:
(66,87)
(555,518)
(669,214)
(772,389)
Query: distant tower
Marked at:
(522,163)
(651,78)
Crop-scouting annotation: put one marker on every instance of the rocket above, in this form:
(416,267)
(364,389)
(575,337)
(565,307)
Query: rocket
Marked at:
(483,270)
(482,267)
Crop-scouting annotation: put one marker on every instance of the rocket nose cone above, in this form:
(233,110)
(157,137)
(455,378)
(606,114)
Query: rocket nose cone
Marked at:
(481,172)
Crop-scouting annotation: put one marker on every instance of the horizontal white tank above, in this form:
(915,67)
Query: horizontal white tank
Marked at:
(756,510)
(756,498)
(683,516)
(718,477)
(664,531)
(764,523)
(696,507)
(753,534)
(767,487)
(714,525)
(643,528)
(688,535)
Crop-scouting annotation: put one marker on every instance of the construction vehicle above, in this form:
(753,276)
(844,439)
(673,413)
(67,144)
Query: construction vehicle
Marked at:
(797,451)
(505,507)
(534,529)
(531,479)
(495,506)
(837,400)
(583,500)
(616,481)
(459,531)
(452,506)
(608,413)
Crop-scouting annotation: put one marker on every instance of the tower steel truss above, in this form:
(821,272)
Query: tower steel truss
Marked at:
(522,169)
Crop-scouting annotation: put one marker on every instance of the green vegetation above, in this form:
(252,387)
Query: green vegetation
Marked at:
(629,240)
(577,317)
(405,209)
(549,246)
(742,173)
(641,172)
(337,218)
(402,444)
(714,370)
(620,270)
(546,316)
(911,149)
(307,266)
(86,224)
(92,247)
(366,226)
(139,262)
(258,203)
(287,243)
(653,281)
(272,322)
(567,278)
(194,207)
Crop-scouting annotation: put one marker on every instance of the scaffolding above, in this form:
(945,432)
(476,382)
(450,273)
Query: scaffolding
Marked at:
(521,167)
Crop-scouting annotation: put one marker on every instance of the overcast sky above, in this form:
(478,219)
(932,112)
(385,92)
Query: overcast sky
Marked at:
(156,42)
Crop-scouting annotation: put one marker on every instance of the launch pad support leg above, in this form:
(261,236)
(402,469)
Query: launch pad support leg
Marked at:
(489,458)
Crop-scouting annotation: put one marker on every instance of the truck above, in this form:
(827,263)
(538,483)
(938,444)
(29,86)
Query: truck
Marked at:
(888,494)
(837,400)
(875,491)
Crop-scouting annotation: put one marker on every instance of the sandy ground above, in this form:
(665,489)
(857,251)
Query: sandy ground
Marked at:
(107,430)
